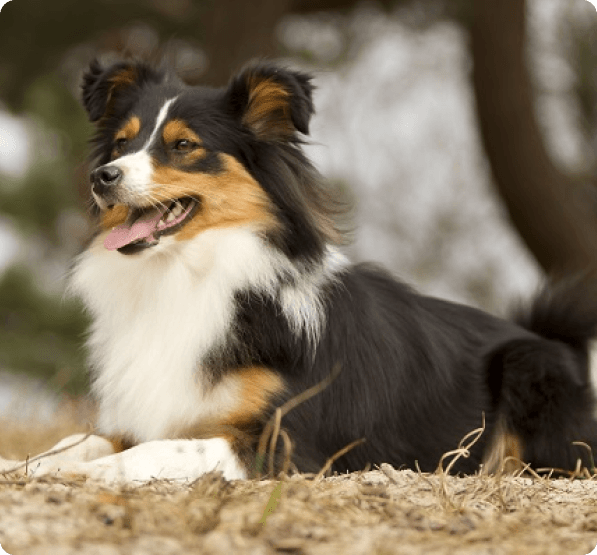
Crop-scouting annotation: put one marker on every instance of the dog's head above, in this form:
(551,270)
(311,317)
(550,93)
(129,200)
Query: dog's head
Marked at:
(172,159)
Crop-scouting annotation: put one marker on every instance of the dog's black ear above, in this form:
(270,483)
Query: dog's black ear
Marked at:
(273,102)
(103,87)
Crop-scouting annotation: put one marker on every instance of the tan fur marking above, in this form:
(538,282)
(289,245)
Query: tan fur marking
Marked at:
(124,78)
(130,129)
(229,198)
(268,111)
(256,388)
(127,76)
(505,452)
(112,217)
(120,443)
(176,129)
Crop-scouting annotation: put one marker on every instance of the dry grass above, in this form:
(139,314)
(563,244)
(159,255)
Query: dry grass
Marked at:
(380,512)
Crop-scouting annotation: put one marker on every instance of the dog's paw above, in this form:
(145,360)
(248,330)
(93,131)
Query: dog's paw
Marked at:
(94,458)
(68,452)
(179,460)
(8,466)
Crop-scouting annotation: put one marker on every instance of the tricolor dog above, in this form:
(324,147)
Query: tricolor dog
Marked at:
(218,292)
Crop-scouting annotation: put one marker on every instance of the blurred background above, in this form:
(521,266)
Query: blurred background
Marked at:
(464,131)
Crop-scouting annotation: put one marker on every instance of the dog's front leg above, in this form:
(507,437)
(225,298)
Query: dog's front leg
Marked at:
(167,459)
(106,460)
(72,449)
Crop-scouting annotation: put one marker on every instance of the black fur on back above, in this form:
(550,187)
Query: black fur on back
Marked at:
(417,374)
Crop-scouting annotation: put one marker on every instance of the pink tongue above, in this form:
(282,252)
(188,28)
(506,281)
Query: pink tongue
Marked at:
(142,228)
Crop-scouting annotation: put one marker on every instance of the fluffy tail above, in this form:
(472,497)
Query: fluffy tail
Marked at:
(566,312)
(540,383)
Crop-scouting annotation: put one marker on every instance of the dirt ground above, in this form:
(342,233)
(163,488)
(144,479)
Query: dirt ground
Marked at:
(380,512)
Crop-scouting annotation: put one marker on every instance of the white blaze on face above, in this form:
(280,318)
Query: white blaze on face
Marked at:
(137,166)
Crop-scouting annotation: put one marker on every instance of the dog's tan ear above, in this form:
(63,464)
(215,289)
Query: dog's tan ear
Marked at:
(273,102)
(104,88)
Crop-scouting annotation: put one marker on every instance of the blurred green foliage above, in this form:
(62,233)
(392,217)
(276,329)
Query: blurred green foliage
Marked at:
(48,188)
(44,47)
(35,35)
(41,333)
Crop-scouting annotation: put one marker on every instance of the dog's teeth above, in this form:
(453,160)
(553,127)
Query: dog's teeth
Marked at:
(171,216)
(177,209)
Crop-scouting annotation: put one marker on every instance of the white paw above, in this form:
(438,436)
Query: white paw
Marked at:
(7,465)
(68,451)
(180,459)
(79,447)
(94,457)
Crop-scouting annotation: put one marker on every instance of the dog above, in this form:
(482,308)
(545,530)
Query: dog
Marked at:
(219,295)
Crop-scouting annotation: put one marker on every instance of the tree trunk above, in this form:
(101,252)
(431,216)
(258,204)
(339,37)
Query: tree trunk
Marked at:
(555,214)
(235,32)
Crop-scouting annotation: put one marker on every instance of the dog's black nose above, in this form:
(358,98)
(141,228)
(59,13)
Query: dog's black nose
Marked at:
(105,177)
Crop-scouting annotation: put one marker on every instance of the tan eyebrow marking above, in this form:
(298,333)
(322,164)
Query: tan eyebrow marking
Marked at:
(176,129)
(130,129)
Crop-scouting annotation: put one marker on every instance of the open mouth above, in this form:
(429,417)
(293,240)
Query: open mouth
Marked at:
(144,226)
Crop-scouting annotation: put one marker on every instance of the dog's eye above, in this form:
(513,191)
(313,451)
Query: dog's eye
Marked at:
(184,145)
(120,143)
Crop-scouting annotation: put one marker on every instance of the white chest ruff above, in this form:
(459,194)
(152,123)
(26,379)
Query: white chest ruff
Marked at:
(158,314)
(155,317)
